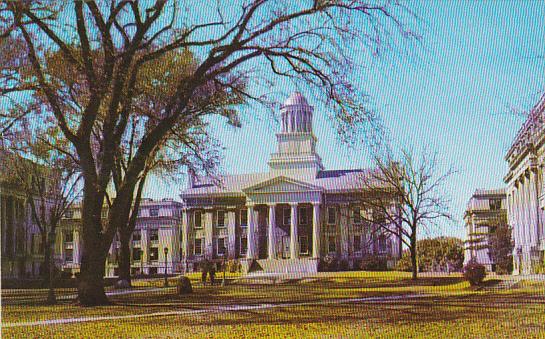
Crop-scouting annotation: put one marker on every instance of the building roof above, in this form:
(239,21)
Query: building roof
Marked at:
(233,185)
(295,99)
(487,192)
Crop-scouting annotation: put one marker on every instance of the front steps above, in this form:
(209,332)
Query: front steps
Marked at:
(282,266)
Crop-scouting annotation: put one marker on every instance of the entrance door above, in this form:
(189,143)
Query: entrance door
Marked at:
(286,246)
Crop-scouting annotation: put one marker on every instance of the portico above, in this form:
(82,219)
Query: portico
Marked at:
(284,220)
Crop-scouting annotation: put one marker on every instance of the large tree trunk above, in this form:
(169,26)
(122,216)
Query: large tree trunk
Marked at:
(44,270)
(51,298)
(125,257)
(93,251)
(413,256)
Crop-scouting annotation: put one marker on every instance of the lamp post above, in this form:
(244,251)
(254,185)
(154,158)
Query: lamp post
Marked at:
(166,261)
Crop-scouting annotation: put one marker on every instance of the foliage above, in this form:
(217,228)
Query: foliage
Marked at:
(328,263)
(404,195)
(373,263)
(233,266)
(435,254)
(474,273)
(500,245)
(404,263)
(105,86)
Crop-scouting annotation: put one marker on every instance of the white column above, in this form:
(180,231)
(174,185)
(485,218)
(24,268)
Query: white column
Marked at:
(527,212)
(534,208)
(294,239)
(231,234)
(316,230)
(208,234)
(343,226)
(185,234)
(250,253)
(272,232)
(144,245)
(75,247)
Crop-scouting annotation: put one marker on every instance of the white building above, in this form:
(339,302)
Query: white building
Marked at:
(288,218)
(525,194)
(157,227)
(485,210)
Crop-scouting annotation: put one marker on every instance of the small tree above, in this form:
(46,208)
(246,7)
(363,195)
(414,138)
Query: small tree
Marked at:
(500,245)
(403,195)
(50,183)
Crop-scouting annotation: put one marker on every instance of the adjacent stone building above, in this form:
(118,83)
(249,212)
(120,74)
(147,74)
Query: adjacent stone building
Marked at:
(485,210)
(286,219)
(157,228)
(525,194)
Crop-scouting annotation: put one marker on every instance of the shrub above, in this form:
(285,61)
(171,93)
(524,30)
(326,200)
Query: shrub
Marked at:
(539,268)
(474,273)
(343,265)
(404,264)
(373,263)
(233,266)
(328,263)
(183,286)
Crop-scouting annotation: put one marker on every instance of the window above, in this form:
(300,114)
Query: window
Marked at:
(154,212)
(286,216)
(357,243)
(68,237)
(303,244)
(243,217)
(197,249)
(136,236)
(221,246)
(331,215)
(331,245)
(69,214)
(243,245)
(492,229)
(495,204)
(104,214)
(154,235)
(356,215)
(197,219)
(136,254)
(220,218)
(154,254)
(69,255)
(303,216)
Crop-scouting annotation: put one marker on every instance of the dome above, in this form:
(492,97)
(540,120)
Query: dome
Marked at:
(296,99)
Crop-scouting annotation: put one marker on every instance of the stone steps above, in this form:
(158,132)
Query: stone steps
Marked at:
(301,265)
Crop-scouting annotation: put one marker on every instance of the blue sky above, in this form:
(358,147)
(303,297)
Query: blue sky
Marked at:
(451,95)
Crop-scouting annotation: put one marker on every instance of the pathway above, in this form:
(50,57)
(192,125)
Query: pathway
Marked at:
(213,309)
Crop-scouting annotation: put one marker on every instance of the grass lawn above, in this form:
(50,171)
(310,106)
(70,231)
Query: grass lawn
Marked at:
(447,306)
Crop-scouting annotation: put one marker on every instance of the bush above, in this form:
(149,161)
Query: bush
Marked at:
(233,266)
(328,264)
(539,268)
(183,286)
(373,263)
(343,265)
(474,273)
(404,264)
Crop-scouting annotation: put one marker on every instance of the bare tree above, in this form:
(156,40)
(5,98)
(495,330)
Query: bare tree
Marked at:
(50,183)
(403,195)
(105,46)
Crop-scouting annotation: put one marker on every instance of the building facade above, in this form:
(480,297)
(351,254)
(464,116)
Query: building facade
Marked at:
(525,194)
(286,219)
(157,228)
(485,210)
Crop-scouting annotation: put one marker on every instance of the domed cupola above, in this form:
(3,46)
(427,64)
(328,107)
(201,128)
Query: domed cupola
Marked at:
(296,114)
(296,149)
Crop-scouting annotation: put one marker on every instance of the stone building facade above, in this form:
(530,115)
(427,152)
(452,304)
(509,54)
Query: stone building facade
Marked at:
(286,219)
(22,250)
(157,227)
(485,209)
(525,194)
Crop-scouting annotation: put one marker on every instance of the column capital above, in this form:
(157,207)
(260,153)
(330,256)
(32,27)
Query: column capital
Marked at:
(315,203)
(272,204)
(250,205)
(294,204)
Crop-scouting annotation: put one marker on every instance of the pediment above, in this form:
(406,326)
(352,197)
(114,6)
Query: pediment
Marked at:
(281,184)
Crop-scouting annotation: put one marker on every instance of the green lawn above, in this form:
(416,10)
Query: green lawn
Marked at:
(448,305)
